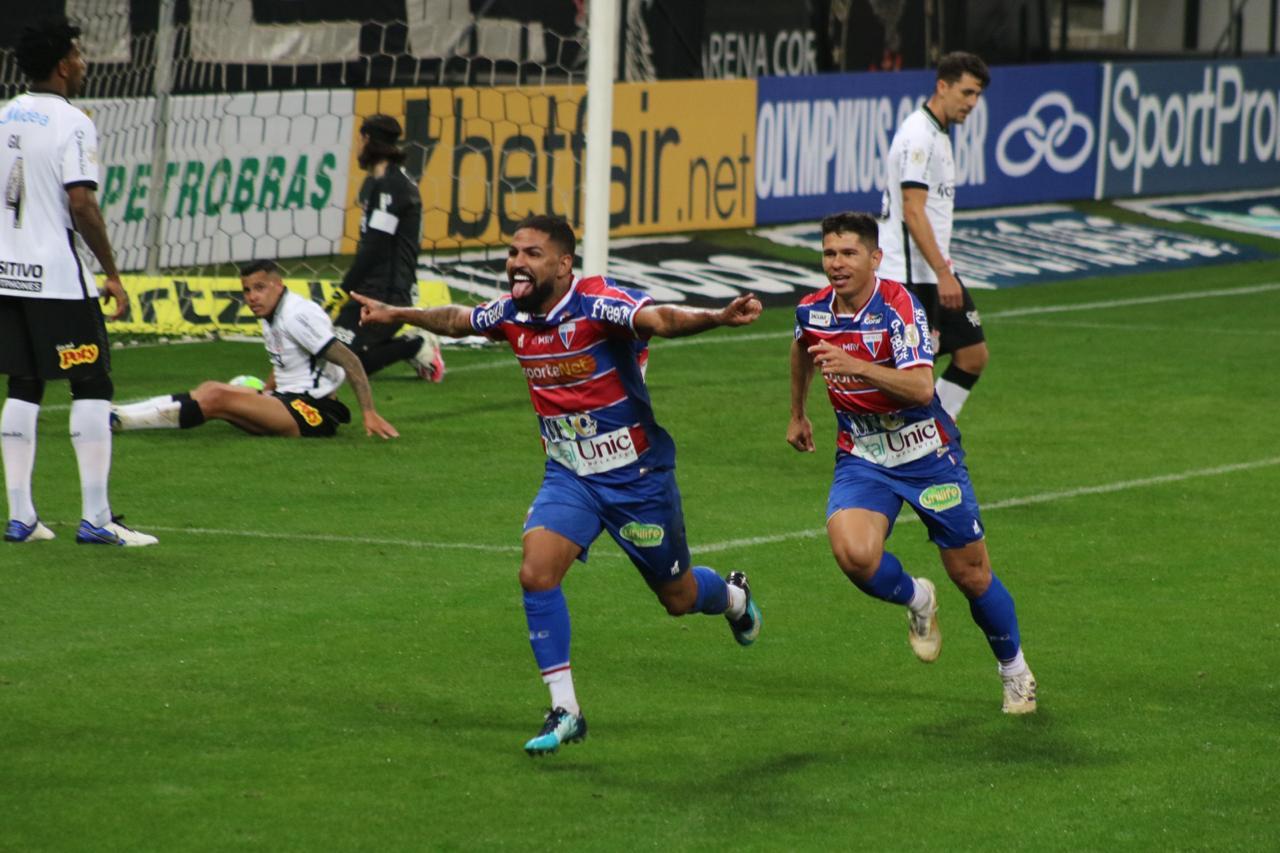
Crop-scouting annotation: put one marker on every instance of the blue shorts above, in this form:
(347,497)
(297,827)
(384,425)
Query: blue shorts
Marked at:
(644,517)
(939,491)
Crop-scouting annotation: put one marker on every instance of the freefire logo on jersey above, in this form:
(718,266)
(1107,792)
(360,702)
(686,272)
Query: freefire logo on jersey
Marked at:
(69,355)
(612,312)
(561,371)
(308,412)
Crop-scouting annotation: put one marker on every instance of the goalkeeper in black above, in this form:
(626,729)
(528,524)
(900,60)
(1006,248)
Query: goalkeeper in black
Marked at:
(386,263)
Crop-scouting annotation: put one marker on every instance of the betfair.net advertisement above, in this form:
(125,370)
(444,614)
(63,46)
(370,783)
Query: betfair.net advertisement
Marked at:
(681,158)
(201,306)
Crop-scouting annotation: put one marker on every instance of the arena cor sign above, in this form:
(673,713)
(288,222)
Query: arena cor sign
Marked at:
(245,175)
(821,142)
(205,305)
(682,157)
(1189,126)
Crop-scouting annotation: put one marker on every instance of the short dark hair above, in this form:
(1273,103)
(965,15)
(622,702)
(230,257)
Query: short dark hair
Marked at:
(852,222)
(956,64)
(44,45)
(268,266)
(556,227)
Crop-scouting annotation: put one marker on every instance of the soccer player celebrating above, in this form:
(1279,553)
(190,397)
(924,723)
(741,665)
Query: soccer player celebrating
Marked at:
(895,443)
(918,209)
(51,325)
(308,365)
(609,465)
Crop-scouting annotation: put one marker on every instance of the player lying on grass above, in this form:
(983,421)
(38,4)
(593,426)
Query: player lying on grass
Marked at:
(609,465)
(895,443)
(308,365)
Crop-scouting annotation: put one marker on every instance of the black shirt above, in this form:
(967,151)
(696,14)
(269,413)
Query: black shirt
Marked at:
(386,261)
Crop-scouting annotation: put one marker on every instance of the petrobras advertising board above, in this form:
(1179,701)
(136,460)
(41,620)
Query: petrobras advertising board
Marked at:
(821,142)
(1189,126)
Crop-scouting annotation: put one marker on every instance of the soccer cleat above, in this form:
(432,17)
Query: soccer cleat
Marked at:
(112,533)
(16,531)
(747,626)
(114,419)
(1019,693)
(559,727)
(427,360)
(922,626)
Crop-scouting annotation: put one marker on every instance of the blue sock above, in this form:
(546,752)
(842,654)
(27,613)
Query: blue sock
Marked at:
(548,618)
(713,592)
(889,583)
(994,613)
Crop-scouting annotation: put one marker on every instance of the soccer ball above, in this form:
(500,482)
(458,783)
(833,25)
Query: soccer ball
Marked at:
(249,382)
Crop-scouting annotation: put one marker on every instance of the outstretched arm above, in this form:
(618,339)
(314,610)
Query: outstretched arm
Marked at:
(338,353)
(668,321)
(453,321)
(800,429)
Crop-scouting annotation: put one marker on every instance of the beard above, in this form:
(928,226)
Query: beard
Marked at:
(528,297)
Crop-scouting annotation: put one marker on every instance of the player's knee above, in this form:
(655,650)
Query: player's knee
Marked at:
(972,577)
(857,559)
(97,387)
(29,389)
(537,578)
(972,359)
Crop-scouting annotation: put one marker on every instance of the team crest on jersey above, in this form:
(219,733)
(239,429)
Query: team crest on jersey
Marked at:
(819,318)
(567,331)
(70,355)
(872,343)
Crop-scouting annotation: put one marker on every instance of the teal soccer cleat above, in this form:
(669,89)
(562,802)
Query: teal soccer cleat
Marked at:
(559,727)
(746,627)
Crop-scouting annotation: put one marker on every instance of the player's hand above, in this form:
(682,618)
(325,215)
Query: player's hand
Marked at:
(115,292)
(949,292)
(372,311)
(375,425)
(741,311)
(833,361)
(800,434)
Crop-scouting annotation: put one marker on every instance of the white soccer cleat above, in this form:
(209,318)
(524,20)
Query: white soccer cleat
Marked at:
(16,531)
(922,626)
(427,361)
(1019,693)
(113,533)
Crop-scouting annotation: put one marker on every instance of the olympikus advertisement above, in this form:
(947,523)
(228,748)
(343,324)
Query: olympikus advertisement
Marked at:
(821,142)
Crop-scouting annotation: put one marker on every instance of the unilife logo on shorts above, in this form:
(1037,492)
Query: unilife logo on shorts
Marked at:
(940,497)
(70,355)
(642,535)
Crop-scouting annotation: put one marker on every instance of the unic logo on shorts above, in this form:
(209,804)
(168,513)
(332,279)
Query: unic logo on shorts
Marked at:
(942,496)
(643,535)
(69,355)
(308,412)
(561,371)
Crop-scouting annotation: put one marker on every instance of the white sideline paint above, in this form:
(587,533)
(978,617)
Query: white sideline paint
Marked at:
(729,544)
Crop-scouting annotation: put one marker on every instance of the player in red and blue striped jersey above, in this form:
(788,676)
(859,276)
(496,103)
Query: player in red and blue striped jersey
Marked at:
(610,466)
(895,443)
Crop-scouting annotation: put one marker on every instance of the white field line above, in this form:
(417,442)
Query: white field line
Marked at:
(727,545)
(1139,327)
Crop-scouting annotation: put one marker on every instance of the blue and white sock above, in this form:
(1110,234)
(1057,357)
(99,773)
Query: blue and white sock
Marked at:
(995,614)
(547,615)
(713,592)
(889,583)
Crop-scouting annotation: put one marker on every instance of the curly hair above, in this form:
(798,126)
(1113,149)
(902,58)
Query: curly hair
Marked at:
(42,46)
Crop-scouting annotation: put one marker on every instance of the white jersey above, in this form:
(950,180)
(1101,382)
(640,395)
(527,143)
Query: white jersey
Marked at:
(47,146)
(919,156)
(295,335)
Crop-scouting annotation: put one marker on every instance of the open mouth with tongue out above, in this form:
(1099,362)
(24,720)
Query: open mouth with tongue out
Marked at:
(521,285)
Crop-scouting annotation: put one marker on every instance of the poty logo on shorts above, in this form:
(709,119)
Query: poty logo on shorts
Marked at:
(69,355)
(642,535)
(1047,131)
(308,412)
(940,497)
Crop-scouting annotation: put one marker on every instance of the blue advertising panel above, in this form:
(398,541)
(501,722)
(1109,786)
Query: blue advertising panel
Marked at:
(821,142)
(1189,126)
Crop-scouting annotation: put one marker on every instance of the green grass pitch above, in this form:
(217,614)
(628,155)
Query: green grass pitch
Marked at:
(327,650)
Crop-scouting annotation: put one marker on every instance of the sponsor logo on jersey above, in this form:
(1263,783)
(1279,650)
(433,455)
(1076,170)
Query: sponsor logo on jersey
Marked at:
(819,318)
(308,412)
(570,427)
(598,454)
(643,535)
(70,355)
(560,371)
(487,315)
(567,331)
(941,497)
(873,319)
(618,313)
(24,116)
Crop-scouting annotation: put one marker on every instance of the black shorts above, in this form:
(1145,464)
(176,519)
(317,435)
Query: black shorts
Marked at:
(53,338)
(347,328)
(317,417)
(954,329)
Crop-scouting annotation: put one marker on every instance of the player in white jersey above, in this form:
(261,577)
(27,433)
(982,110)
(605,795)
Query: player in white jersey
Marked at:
(308,363)
(917,214)
(51,325)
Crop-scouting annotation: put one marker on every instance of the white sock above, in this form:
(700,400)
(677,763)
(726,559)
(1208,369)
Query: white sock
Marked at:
(562,695)
(919,598)
(18,443)
(952,397)
(1017,666)
(737,602)
(91,438)
(156,413)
